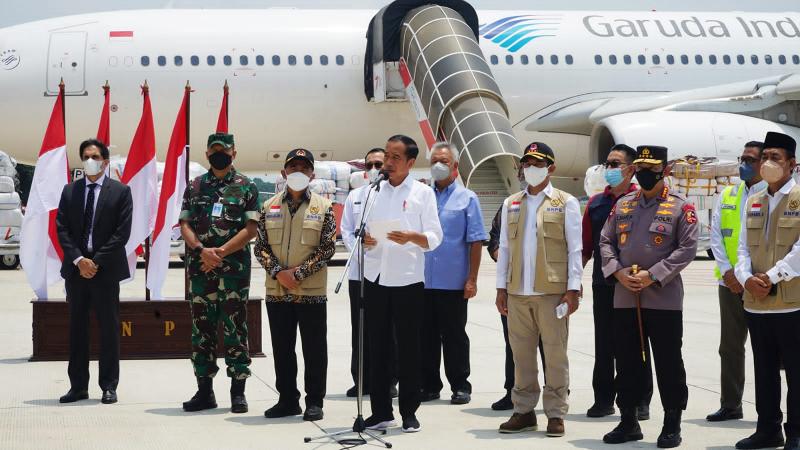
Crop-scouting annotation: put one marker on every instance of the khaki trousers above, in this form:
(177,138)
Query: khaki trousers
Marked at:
(530,317)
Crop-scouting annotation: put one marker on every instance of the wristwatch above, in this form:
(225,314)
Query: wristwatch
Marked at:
(199,248)
(653,277)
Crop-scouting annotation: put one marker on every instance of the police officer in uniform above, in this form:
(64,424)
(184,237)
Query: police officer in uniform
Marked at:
(768,266)
(218,219)
(655,229)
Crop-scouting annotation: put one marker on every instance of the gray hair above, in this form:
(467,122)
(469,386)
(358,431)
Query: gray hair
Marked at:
(444,144)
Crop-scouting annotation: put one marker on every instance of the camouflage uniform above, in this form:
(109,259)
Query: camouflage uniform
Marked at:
(223,292)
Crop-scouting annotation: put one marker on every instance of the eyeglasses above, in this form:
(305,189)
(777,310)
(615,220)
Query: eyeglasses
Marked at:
(377,165)
(748,160)
(613,164)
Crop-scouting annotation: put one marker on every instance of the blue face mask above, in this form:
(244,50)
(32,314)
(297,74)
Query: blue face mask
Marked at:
(614,177)
(746,172)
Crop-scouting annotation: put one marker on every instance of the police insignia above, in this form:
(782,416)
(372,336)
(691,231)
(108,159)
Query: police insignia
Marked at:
(623,238)
(661,228)
(626,210)
(794,204)
(691,216)
(658,239)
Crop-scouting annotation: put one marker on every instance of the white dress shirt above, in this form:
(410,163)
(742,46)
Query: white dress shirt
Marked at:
(785,269)
(351,219)
(97,190)
(717,243)
(572,225)
(414,204)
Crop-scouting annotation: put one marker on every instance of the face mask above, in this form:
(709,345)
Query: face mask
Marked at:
(648,179)
(535,175)
(373,174)
(220,160)
(614,177)
(297,181)
(440,171)
(92,167)
(746,172)
(771,172)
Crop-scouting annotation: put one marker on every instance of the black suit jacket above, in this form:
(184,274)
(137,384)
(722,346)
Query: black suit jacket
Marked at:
(112,228)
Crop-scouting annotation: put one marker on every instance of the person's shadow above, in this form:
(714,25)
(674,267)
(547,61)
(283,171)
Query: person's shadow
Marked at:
(730,424)
(179,412)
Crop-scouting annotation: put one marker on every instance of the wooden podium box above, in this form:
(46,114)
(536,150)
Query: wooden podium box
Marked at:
(157,329)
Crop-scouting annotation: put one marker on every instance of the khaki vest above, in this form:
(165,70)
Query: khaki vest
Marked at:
(766,250)
(551,243)
(294,239)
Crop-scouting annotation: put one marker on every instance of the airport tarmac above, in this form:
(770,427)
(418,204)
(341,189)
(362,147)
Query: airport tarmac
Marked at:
(149,414)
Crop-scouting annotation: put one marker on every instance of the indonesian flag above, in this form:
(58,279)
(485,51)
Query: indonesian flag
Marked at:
(104,130)
(169,203)
(40,251)
(141,175)
(222,122)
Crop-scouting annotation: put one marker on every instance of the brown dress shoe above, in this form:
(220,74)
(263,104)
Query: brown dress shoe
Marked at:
(555,427)
(519,423)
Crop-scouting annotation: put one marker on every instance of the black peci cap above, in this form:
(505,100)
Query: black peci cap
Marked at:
(780,140)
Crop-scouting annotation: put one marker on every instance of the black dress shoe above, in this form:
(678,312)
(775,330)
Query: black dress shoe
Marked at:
(352,392)
(643,412)
(73,396)
(761,440)
(504,404)
(600,410)
(313,413)
(724,414)
(282,410)
(460,398)
(627,430)
(109,397)
(792,443)
(429,396)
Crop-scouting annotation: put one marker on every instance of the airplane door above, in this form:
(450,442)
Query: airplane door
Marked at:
(66,59)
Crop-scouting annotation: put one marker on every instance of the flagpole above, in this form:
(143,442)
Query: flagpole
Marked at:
(64,119)
(146,91)
(226,93)
(188,159)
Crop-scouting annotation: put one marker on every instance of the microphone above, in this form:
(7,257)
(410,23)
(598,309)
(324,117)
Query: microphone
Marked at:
(382,175)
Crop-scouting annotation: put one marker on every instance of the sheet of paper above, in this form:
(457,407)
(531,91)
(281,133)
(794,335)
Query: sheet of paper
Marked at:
(379,229)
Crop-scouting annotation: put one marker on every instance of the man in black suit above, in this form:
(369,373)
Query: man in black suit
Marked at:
(94,224)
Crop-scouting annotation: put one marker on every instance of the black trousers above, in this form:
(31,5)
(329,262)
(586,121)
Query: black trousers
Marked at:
(509,384)
(284,320)
(776,338)
(603,373)
(353,289)
(664,331)
(445,332)
(399,308)
(102,296)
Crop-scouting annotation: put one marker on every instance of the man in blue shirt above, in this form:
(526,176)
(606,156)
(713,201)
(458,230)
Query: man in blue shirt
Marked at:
(451,273)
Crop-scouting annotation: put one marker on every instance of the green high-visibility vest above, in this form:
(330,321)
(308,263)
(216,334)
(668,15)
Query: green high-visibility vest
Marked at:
(730,222)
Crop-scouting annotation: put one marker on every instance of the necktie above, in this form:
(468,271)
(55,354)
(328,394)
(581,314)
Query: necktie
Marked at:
(88,215)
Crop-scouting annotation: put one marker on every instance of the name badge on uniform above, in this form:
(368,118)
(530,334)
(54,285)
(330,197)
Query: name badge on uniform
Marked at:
(216,211)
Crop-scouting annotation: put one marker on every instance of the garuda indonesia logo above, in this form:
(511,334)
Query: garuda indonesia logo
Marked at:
(515,32)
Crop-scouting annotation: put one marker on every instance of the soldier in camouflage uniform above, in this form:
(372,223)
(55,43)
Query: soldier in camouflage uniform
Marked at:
(219,217)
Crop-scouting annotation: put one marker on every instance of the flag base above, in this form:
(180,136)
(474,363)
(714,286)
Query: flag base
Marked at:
(159,329)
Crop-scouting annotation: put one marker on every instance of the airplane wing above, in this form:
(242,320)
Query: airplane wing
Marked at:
(775,99)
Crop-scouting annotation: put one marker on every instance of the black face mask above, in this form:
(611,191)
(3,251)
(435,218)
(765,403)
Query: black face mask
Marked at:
(220,160)
(648,179)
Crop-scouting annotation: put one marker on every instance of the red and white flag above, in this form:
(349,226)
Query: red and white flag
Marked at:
(222,122)
(40,251)
(169,203)
(104,129)
(141,175)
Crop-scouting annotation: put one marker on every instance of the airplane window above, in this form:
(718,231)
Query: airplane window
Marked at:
(509,60)
(145,60)
(754,59)
(712,59)
(554,59)
(339,60)
(243,60)
(493,60)
(178,61)
(162,60)
(276,60)
(641,59)
(656,59)
(782,59)
(524,60)
(292,60)
(568,59)
(227,60)
(768,59)
(698,59)
(740,59)
(726,59)
(195,60)
(211,60)
(113,61)
(684,59)
(307,60)
(796,59)
(626,59)
(323,60)
(670,59)
(539,59)
(612,59)
(128,61)
(260,60)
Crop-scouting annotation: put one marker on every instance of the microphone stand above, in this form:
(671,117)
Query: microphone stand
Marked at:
(359,427)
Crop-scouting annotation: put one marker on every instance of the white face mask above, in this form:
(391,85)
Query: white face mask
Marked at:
(535,175)
(297,181)
(92,167)
(440,171)
(372,174)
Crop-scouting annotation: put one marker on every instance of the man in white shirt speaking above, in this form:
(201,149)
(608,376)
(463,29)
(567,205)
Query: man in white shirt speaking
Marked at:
(394,272)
